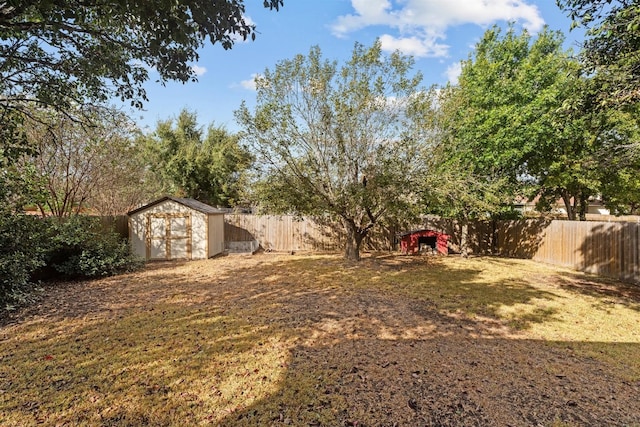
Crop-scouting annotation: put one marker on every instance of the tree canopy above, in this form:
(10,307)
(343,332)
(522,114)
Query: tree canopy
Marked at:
(76,167)
(211,167)
(336,142)
(60,53)
(499,116)
(611,51)
(518,118)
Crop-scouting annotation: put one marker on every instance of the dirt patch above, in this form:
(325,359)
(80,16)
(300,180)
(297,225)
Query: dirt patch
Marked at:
(312,340)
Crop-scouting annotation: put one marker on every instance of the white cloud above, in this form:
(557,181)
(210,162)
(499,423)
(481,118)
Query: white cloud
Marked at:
(198,70)
(415,46)
(422,24)
(250,84)
(368,12)
(453,72)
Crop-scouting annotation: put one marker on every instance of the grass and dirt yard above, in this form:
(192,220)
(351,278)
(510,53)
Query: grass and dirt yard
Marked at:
(315,340)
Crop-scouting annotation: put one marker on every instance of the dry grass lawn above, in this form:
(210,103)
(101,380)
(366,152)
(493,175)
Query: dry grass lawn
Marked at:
(318,341)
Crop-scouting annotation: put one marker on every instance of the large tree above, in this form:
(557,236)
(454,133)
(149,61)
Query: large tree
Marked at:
(76,164)
(124,182)
(64,53)
(515,116)
(459,184)
(209,166)
(611,51)
(620,171)
(336,142)
(520,115)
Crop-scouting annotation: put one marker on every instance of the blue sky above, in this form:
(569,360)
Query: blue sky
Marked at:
(438,33)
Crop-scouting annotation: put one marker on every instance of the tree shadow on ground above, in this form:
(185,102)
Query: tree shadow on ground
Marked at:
(302,341)
(605,290)
(375,359)
(59,299)
(450,380)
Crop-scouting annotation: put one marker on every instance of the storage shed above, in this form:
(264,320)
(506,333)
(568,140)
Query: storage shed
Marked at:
(176,228)
(420,241)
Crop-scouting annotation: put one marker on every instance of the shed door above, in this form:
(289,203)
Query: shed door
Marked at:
(169,236)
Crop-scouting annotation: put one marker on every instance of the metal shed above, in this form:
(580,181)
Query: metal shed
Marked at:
(417,241)
(176,228)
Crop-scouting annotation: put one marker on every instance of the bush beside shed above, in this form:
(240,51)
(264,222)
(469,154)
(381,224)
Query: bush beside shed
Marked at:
(176,228)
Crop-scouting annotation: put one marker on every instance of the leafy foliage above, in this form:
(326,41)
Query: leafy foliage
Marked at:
(83,162)
(18,185)
(485,129)
(517,124)
(612,48)
(335,142)
(459,183)
(509,91)
(62,53)
(124,182)
(82,247)
(209,167)
(37,248)
(599,147)
(21,253)
(620,161)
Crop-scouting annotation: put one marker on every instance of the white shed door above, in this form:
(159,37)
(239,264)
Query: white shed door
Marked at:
(169,236)
(179,237)
(157,238)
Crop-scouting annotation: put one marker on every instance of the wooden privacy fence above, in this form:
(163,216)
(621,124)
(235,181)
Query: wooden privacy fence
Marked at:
(607,248)
(279,233)
(291,234)
(118,224)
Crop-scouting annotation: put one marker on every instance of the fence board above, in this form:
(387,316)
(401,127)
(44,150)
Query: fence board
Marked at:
(606,248)
(287,233)
(118,224)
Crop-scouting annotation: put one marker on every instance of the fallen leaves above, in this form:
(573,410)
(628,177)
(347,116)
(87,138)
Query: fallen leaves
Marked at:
(315,341)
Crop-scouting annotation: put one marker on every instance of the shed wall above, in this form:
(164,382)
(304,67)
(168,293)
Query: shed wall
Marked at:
(199,225)
(216,234)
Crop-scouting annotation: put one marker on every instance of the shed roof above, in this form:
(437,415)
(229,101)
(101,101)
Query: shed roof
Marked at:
(191,203)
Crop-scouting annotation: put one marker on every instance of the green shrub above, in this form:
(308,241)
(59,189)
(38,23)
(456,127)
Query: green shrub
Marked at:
(103,257)
(33,249)
(81,247)
(22,252)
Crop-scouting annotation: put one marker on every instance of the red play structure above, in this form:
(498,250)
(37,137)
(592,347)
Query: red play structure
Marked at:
(421,241)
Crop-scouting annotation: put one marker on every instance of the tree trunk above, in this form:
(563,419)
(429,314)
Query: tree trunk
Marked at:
(571,210)
(354,240)
(494,237)
(464,238)
(577,211)
(583,207)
